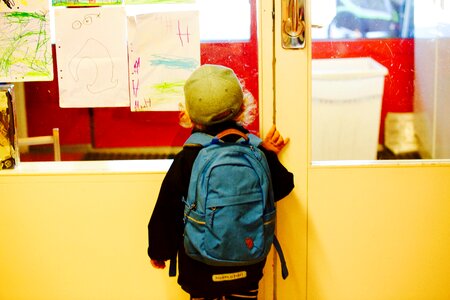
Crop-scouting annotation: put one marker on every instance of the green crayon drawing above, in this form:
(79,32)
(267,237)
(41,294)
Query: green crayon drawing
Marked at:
(85,2)
(25,49)
(169,87)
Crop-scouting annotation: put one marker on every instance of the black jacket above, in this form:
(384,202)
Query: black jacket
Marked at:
(165,229)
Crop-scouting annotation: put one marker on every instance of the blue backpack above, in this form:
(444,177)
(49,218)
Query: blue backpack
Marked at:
(230,209)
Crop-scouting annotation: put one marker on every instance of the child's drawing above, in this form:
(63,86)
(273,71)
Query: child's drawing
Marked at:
(85,2)
(23,5)
(164,50)
(93,49)
(92,57)
(25,46)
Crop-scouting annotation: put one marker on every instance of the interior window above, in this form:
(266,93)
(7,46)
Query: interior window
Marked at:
(378,81)
(228,36)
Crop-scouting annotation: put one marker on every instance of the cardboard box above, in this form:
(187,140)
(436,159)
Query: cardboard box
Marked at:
(399,133)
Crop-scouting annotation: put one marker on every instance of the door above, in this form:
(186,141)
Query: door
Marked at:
(355,229)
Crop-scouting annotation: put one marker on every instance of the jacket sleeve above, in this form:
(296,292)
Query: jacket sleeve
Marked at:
(165,228)
(282,179)
(166,222)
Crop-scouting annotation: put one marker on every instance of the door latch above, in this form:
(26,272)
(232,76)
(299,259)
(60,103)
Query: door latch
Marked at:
(293,24)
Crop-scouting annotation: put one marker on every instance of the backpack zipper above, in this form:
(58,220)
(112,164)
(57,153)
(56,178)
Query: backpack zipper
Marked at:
(213,209)
(256,153)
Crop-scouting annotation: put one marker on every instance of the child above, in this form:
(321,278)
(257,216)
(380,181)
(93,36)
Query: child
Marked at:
(215,101)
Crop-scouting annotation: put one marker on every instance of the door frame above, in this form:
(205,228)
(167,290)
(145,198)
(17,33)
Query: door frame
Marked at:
(349,227)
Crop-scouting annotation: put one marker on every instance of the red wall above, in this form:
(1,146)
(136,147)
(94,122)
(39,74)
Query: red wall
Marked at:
(397,55)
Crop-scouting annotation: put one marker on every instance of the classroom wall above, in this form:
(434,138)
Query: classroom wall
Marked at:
(79,236)
(79,231)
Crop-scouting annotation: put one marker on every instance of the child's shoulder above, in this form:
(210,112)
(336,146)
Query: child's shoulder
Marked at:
(187,153)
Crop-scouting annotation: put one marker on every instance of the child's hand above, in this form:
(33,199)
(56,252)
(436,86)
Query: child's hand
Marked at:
(158,264)
(274,141)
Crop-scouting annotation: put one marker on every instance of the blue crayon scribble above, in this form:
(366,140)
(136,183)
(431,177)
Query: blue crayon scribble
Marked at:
(174,62)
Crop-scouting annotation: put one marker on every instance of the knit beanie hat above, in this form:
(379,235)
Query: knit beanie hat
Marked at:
(213,94)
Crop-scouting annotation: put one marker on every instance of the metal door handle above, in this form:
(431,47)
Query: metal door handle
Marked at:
(293,25)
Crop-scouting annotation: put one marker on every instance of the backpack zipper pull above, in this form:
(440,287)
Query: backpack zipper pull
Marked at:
(213,210)
(192,207)
(256,153)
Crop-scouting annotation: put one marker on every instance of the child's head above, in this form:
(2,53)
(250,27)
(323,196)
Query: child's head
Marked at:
(213,94)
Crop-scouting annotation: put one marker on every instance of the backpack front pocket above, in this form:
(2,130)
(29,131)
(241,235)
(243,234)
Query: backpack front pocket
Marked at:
(235,232)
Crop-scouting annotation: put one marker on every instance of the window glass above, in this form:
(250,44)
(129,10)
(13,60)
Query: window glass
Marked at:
(118,133)
(363,80)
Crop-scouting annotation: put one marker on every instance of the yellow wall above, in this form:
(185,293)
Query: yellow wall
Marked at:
(373,232)
(79,236)
(379,233)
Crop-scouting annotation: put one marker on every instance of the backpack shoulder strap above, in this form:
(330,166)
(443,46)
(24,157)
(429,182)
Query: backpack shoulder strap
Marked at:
(254,140)
(203,139)
(284,269)
(173,267)
(232,131)
(245,138)
(199,139)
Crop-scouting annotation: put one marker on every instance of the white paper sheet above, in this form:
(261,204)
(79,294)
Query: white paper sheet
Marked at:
(164,50)
(91,48)
(25,46)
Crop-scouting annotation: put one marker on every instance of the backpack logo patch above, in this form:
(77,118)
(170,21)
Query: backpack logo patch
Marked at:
(249,243)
